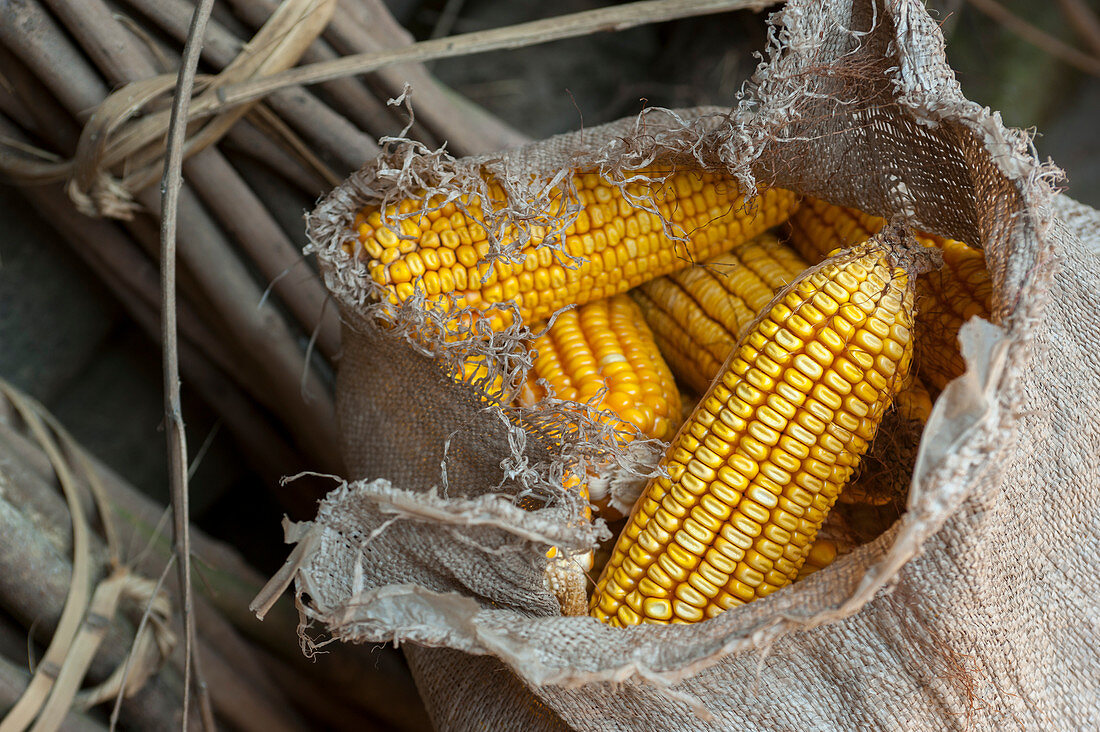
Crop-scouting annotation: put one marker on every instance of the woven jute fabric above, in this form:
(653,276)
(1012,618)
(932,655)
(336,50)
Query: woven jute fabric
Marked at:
(977,609)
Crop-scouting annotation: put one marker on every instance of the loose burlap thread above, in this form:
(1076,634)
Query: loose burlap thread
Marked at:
(976,609)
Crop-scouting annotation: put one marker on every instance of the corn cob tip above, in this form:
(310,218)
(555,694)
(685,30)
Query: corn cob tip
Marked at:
(906,251)
(564,577)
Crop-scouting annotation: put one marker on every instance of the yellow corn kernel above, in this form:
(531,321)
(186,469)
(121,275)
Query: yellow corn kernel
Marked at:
(821,555)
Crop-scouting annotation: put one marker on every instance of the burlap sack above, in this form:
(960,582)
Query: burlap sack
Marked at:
(979,608)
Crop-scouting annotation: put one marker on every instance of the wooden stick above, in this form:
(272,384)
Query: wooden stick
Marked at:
(14,680)
(251,376)
(243,214)
(171,186)
(261,334)
(110,253)
(221,46)
(614,18)
(352,98)
(101,40)
(224,192)
(33,35)
(467,127)
(33,585)
(30,488)
(55,125)
(274,127)
(325,130)
(247,138)
(10,105)
(323,127)
(134,280)
(228,20)
(349,95)
(517,36)
(286,204)
(266,450)
(237,653)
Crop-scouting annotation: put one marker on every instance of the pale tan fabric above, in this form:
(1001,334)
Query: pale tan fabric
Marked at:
(979,609)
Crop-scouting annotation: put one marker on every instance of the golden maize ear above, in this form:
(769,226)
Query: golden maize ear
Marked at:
(821,555)
(818,228)
(698,314)
(754,472)
(946,298)
(441,248)
(914,403)
(603,354)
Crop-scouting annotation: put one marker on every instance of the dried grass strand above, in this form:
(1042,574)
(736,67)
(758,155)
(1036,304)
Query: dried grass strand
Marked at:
(175,432)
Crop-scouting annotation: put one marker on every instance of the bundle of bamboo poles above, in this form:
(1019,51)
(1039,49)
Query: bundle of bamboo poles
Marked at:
(85,553)
(257,336)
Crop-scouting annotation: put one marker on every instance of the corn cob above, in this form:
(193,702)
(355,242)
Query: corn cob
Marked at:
(698,314)
(612,245)
(603,354)
(946,298)
(565,577)
(821,555)
(754,472)
(914,403)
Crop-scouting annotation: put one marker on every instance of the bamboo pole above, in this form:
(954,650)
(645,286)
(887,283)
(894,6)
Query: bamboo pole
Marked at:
(244,137)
